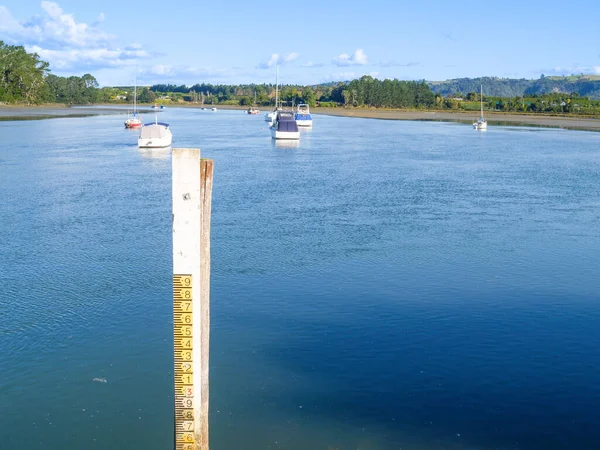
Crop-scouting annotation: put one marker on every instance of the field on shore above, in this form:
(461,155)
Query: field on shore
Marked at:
(498,118)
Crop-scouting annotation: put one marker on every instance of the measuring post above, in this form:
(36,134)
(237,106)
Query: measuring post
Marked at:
(192,197)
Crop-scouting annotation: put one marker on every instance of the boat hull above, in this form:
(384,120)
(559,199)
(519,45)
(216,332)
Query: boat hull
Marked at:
(303,119)
(480,125)
(285,135)
(161,142)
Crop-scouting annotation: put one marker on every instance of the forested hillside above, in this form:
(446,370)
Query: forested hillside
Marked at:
(585,86)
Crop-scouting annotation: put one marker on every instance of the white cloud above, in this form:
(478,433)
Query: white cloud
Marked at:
(93,58)
(276,58)
(358,58)
(183,74)
(8,24)
(312,64)
(99,19)
(398,64)
(55,29)
(291,57)
(160,69)
(573,70)
(340,76)
(67,44)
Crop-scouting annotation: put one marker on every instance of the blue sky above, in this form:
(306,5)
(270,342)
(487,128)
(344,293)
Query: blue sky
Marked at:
(188,42)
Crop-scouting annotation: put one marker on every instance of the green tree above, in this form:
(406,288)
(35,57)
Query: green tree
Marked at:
(309,97)
(22,75)
(146,96)
(346,96)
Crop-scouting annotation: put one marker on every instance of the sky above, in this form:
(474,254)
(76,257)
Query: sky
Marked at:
(312,41)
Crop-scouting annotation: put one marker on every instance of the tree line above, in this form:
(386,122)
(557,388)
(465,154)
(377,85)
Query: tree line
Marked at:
(26,79)
(371,92)
(366,91)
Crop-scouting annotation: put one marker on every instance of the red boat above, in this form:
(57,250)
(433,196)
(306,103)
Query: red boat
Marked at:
(133,121)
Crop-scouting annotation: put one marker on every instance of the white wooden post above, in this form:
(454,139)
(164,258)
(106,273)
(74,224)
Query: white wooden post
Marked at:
(192,198)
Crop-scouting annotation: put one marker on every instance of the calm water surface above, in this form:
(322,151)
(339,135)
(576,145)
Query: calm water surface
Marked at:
(382,285)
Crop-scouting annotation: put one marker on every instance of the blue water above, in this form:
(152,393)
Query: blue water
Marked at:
(381,285)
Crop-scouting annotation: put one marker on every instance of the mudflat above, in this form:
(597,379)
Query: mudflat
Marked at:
(56,111)
(573,123)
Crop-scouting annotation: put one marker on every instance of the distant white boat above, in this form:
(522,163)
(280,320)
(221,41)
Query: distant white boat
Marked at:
(303,117)
(285,126)
(155,135)
(213,109)
(134,120)
(270,116)
(253,110)
(481,124)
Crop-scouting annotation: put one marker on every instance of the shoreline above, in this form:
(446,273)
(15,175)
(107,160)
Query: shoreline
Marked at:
(19,112)
(493,117)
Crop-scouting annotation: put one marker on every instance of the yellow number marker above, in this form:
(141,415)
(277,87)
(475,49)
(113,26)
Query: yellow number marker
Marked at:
(184,363)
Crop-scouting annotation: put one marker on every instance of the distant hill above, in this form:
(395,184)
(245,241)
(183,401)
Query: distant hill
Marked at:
(584,85)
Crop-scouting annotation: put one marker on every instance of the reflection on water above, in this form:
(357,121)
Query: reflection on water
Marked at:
(306,129)
(156,153)
(285,143)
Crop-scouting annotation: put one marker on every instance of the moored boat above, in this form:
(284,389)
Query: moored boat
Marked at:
(134,120)
(481,124)
(270,116)
(303,117)
(284,126)
(155,135)
(253,109)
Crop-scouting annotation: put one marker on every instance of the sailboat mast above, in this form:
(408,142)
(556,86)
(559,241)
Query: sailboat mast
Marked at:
(277,88)
(135,93)
(481,98)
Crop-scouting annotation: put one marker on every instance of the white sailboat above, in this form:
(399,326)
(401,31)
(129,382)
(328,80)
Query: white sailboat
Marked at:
(271,116)
(481,124)
(253,109)
(134,120)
